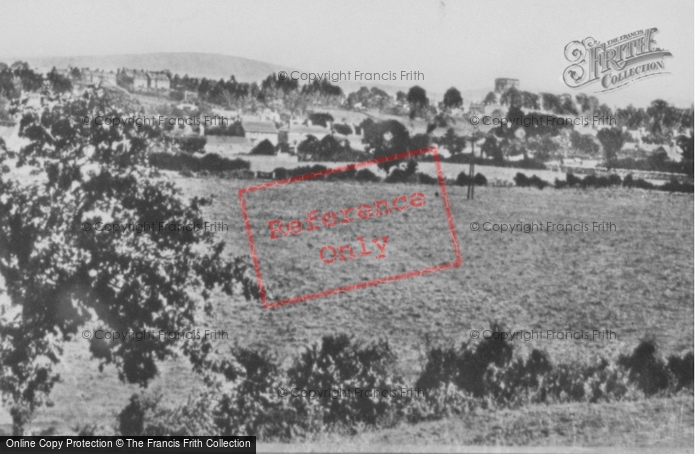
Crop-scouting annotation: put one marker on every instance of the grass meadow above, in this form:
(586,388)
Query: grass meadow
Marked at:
(636,281)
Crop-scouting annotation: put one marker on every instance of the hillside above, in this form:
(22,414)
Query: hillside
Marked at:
(196,64)
(212,66)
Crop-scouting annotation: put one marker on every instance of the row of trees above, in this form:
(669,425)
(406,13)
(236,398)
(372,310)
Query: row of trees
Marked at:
(659,119)
(19,77)
(282,94)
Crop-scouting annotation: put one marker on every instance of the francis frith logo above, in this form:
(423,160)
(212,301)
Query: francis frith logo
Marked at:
(615,63)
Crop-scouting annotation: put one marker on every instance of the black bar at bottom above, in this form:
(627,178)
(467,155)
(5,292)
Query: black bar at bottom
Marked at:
(131,445)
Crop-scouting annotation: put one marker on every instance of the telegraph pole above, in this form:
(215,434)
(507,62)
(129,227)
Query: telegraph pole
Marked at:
(470,188)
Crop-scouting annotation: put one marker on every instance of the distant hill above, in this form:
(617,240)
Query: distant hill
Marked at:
(212,66)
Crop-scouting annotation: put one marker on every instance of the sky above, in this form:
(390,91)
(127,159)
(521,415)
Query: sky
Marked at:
(466,44)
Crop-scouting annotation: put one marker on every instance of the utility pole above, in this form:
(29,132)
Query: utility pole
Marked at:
(470,188)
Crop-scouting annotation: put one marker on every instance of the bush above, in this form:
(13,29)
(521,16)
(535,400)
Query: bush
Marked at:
(653,165)
(320,119)
(264,148)
(572,180)
(399,175)
(594,181)
(675,186)
(303,170)
(488,370)
(464,180)
(647,368)
(523,181)
(348,174)
(466,158)
(185,162)
(367,176)
(280,173)
(244,399)
(144,415)
(242,395)
(343,129)
(683,370)
(426,179)
(671,186)
(339,362)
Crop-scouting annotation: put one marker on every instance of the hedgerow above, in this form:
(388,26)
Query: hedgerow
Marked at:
(243,393)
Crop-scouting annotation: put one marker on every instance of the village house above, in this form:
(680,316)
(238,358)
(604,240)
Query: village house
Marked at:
(139,79)
(257,131)
(503,84)
(297,133)
(97,77)
(159,81)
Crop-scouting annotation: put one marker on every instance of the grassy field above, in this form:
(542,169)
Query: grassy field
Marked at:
(636,281)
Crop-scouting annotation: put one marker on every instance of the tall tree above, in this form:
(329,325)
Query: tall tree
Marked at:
(612,140)
(64,275)
(452,98)
(417,98)
(387,138)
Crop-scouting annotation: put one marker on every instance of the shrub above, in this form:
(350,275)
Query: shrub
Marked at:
(572,180)
(682,370)
(367,175)
(348,174)
(489,371)
(320,119)
(651,164)
(242,389)
(210,162)
(339,362)
(675,186)
(480,180)
(523,181)
(399,175)
(280,173)
(303,170)
(144,415)
(343,129)
(244,394)
(426,179)
(646,368)
(264,148)
(191,144)
(464,180)
(466,158)
(671,186)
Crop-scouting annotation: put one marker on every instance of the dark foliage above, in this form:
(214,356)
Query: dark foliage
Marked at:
(341,362)
(264,148)
(344,129)
(466,158)
(210,162)
(465,180)
(402,175)
(321,119)
(523,181)
(367,175)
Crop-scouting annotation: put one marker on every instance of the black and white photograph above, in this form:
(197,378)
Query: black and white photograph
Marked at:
(426,226)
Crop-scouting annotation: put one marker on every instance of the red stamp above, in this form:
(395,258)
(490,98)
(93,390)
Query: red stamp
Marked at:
(320,236)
